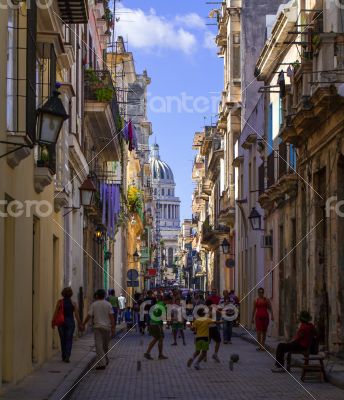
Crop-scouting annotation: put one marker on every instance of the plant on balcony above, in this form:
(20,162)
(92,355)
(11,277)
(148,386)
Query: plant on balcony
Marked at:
(91,76)
(104,94)
(134,199)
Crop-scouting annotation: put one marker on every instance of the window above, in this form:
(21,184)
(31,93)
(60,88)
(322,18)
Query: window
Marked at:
(292,156)
(163,192)
(236,62)
(12,83)
(170,257)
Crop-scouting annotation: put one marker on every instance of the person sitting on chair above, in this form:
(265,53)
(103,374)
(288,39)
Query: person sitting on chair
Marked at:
(301,342)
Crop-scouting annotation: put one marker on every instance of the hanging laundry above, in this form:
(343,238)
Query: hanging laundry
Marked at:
(130,135)
(135,147)
(281,83)
(110,194)
(126,132)
(290,71)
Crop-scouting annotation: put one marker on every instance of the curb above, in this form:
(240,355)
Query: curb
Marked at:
(66,389)
(336,379)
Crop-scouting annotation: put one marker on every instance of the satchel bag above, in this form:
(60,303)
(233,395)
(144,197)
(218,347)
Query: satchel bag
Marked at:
(58,319)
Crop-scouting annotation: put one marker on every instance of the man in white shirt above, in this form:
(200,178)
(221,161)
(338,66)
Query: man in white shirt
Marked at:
(103,325)
(121,302)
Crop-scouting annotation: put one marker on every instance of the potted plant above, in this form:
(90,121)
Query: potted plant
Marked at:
(44,159)
(104,94)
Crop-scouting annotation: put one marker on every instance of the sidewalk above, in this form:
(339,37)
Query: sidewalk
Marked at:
(55,378)
(334,368)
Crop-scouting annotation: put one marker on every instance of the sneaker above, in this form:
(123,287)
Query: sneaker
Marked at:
(196,366)
(189,363)
(162,357)
(216,358)
(225,342)
(278,370)
(174,344)
(205,359)
(148,356)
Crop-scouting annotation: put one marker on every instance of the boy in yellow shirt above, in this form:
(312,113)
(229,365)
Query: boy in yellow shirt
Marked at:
(201,328)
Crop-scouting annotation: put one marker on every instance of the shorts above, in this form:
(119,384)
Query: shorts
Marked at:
(156,331)
(202,344)
(177,325)
(214,334)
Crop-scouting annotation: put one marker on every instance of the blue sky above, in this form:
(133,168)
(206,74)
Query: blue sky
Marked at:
(172,41)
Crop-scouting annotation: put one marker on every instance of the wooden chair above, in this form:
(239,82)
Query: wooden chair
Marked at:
(314,363)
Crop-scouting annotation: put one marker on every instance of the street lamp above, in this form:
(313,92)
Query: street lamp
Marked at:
(99,234)
(87,190)
(255,219)
(225,246)
(136,256)
(50,118)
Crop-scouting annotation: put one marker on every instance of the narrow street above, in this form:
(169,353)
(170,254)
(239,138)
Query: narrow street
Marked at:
(172,379)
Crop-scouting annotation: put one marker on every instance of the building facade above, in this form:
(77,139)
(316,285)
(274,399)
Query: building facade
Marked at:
(304,175)
(167,217)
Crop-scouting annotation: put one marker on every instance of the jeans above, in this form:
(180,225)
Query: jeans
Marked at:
(227,331)
(283,348)
(102,338)
(66,332)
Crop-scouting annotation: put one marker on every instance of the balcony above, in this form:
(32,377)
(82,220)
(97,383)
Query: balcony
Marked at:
(215,155)
(102,113)
(208,239)
(227,211)
(285,182)
(207,187)
(74,11)
(209,132)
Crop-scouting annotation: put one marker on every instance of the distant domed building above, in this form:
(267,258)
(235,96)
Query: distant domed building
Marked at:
(168,219)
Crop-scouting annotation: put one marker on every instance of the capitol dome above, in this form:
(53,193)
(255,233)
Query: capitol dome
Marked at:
(160,170)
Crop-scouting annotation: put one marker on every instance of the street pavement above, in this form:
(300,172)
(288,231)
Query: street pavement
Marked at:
(172,379)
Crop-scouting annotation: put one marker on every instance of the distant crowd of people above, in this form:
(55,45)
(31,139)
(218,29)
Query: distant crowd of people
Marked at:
(154,311)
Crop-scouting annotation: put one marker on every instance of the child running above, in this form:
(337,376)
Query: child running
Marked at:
(201,328)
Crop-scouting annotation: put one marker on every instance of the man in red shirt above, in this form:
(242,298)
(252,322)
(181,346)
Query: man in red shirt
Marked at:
(214,297)
(301,342)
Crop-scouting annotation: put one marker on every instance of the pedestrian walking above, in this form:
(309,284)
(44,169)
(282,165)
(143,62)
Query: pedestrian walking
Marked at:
(65,312)
(121,303)
(261,309)
(177,322)
(301,342)
(226,308)
(113,300)
(103,326)
(128,318)
(201,329)
(156,329)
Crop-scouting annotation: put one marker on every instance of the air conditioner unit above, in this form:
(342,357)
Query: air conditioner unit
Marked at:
(266,241)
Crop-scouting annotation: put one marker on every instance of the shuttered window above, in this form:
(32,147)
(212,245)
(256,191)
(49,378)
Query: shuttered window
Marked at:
(236,62)
(31,70)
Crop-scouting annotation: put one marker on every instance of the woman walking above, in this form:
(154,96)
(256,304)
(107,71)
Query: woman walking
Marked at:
(65,312)
(260,316)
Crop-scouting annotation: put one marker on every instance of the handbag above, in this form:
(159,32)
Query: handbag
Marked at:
(58,319)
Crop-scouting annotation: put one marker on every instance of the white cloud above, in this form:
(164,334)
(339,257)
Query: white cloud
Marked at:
(191,20)
(209,40)
(152,32)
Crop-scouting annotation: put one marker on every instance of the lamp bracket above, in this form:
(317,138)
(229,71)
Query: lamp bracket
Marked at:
(71,209)
(20,146)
